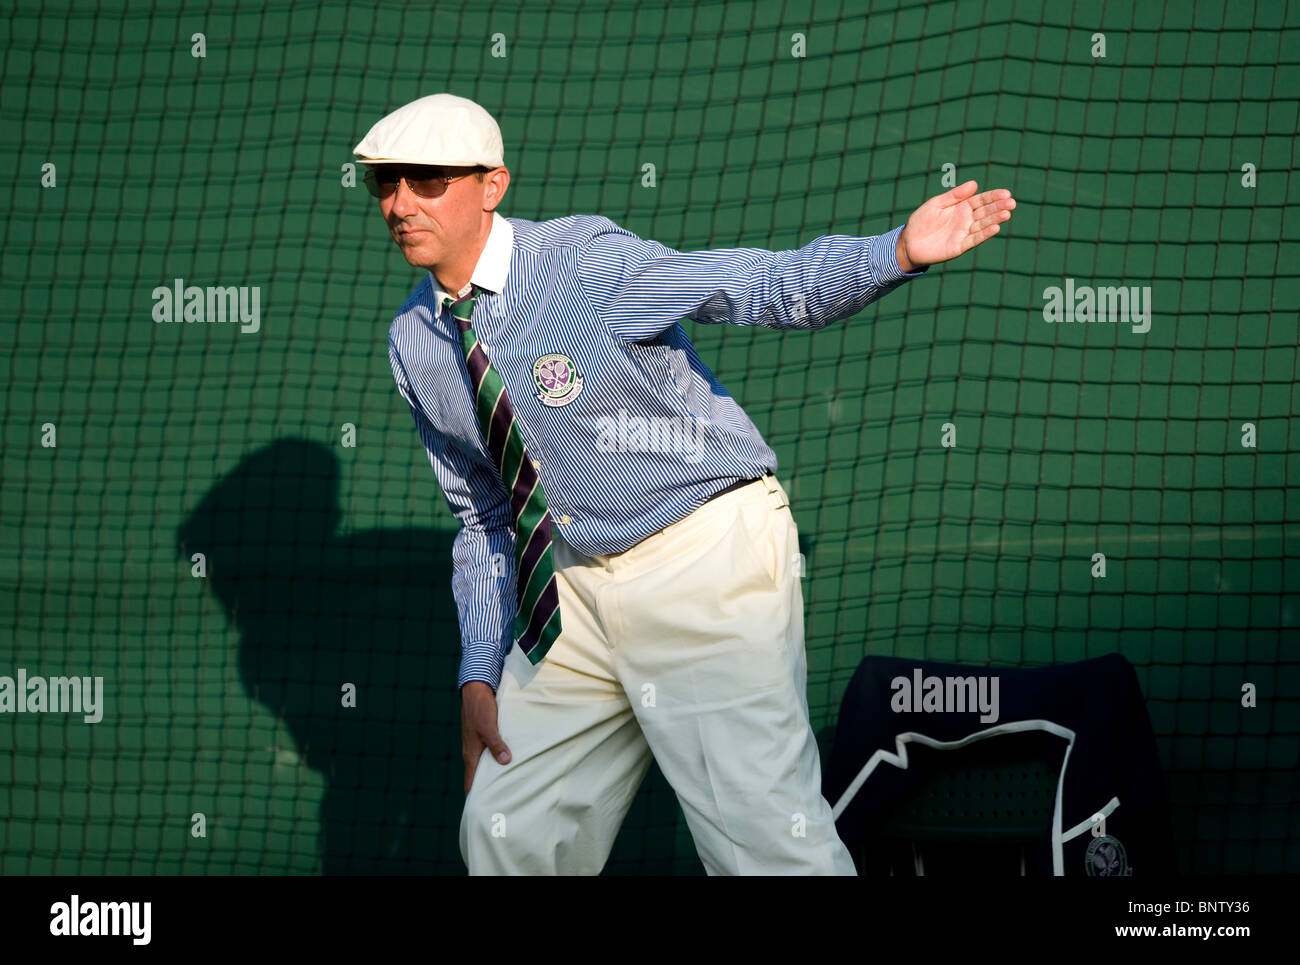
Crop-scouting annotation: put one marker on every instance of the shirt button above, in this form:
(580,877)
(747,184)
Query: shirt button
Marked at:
(565,518)
(537,464)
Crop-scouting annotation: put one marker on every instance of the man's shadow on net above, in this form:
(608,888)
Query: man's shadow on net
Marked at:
(318,611)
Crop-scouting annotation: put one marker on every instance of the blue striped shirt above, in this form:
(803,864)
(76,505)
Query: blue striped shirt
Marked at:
(650,434)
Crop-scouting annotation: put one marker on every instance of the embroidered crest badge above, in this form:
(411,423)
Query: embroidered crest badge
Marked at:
(1106,857)
(557,379)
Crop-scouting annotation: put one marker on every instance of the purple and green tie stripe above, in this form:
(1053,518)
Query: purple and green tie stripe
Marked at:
(537,617)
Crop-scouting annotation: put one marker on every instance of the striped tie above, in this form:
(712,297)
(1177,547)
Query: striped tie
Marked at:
(537,615)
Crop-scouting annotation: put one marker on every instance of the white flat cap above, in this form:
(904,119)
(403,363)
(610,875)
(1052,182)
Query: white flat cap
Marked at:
(438,129)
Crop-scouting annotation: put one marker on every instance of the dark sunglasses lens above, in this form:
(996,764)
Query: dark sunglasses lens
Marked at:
(427,187)
(380,183)
(424,181)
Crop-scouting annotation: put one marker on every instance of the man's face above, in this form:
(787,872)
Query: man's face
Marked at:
(430,230)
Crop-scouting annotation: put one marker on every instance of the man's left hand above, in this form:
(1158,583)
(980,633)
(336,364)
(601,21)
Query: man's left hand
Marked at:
(951,224)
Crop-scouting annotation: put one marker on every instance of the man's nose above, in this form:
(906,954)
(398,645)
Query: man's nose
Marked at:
(403,198)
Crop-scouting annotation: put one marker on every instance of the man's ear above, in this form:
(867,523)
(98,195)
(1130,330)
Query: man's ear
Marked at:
(498,180)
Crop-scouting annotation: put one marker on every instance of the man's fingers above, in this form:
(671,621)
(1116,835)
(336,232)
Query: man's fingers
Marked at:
(957,195)
(989,197)
(995,218)
(995,209)
(965,194)
(485,737)
(497,746)
(979,237)
(1000,204)
(985,204)
(485,729)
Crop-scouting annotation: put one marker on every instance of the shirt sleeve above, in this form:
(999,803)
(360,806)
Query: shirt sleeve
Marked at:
(640,288)
(483,552)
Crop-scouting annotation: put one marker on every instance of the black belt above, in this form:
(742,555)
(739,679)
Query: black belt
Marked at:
(734,486)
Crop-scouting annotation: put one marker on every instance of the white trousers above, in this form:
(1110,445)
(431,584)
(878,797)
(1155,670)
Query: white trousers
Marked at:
(688,646)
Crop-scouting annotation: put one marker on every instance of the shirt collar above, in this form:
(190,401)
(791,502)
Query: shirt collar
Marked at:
(493,264)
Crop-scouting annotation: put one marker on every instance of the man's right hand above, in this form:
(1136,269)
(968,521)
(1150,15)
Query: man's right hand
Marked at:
(478,728)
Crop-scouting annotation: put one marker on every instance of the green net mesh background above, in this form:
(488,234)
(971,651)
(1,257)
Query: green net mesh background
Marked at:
(330,563)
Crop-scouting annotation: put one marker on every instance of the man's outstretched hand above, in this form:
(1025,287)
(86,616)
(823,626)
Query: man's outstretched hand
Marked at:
(951,224)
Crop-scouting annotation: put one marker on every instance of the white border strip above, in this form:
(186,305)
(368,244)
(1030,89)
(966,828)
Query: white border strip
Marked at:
(899,760)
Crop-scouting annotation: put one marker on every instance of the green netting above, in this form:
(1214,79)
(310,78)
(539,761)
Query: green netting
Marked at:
(329,562)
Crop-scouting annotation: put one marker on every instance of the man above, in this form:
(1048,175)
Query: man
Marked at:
(621,523)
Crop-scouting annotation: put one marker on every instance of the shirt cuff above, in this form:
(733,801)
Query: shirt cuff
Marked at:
(882,258)
(483,661)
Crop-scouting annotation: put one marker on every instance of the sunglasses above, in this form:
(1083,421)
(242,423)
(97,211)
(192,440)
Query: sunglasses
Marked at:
(425,182)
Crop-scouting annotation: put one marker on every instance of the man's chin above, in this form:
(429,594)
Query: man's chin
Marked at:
(416,256)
